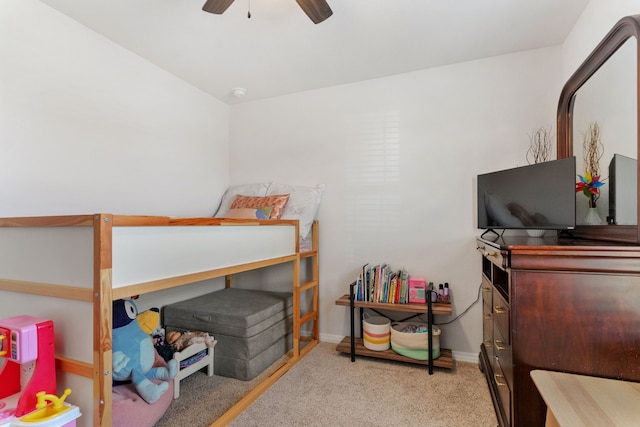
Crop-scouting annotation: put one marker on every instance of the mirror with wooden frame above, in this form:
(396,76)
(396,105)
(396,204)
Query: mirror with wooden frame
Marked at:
(599,108)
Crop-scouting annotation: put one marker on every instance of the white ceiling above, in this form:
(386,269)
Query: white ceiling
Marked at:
(280,51)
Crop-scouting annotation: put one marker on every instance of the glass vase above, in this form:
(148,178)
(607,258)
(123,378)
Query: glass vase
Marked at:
(592,217)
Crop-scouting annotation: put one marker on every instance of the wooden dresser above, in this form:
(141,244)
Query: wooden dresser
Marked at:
(560,305)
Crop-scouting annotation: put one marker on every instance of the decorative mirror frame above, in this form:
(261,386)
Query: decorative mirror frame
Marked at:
(624,29)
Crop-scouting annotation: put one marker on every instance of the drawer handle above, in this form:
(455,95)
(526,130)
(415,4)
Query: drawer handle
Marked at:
(499,310)
(487,316)
(498,383)
(499,346)
(487,343)
(486,289)
(491,254)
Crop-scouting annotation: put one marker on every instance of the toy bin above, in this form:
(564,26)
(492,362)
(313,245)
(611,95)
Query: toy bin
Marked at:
(376,333)
(411,339)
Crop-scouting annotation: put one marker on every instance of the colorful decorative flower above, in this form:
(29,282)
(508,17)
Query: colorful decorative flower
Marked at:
(589,185)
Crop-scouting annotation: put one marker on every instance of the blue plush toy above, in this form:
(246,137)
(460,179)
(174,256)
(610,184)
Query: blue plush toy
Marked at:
(133,351)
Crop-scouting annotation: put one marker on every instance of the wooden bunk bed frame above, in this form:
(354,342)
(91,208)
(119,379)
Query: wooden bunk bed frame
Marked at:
(103,291)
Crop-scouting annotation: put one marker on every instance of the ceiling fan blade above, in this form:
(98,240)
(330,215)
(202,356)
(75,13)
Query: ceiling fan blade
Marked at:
(216,6)
(317,10)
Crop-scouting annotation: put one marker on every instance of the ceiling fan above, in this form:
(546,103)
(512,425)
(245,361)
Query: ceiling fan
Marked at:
(316,10)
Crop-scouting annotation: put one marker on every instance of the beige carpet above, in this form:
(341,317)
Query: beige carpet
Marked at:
(326,389)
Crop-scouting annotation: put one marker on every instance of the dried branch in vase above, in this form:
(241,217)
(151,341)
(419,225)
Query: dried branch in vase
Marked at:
(592,149)
(539,146)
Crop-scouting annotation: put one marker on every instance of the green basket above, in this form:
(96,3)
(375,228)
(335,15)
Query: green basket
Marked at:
(414,353)
(414,345)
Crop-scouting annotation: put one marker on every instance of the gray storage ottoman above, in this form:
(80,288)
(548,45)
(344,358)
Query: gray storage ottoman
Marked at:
(253,328)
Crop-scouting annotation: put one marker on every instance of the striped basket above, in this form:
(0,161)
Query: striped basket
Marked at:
(376,331)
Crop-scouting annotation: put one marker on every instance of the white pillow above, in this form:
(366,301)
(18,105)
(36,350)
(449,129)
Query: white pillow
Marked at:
(499,212)
(258,189)
(303,204)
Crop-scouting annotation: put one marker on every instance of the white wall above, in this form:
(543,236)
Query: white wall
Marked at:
(399,157)
(595,22)
(86,126)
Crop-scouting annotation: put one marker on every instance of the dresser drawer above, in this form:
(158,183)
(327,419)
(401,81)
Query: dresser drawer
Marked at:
(487,293)
(495,255)
(487,331)
(501,315)
(503,356)
(504,392)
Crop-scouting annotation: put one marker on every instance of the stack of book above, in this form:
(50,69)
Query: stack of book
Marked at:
(380,283)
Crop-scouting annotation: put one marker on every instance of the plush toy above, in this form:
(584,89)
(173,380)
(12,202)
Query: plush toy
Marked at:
(133,351)
(182,340)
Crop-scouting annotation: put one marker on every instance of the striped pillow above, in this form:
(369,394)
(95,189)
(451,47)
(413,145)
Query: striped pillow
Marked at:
(278,201)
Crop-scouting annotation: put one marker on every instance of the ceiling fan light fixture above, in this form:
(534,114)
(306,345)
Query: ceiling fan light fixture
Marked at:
(238,92)
(316,10)
(216,6)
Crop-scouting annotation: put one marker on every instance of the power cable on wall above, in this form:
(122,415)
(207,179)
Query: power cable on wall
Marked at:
(461,314)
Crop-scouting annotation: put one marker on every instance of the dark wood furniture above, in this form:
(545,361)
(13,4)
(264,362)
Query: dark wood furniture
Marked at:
(566,304)
(354,346)
(626,30)
(556,304)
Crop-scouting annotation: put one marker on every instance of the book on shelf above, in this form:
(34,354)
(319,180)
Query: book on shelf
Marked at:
(380,283)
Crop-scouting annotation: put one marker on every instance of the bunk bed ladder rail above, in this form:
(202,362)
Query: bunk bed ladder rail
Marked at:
(310,287)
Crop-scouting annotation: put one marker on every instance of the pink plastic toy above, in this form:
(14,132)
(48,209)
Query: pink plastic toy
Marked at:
(26,341)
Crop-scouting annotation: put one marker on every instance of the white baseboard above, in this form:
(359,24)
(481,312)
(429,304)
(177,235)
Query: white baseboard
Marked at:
(460,356)
(335,339)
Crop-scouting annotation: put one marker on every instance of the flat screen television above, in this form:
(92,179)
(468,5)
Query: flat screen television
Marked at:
(540,196)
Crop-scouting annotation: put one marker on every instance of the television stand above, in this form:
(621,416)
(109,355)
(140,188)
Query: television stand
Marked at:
(491,230)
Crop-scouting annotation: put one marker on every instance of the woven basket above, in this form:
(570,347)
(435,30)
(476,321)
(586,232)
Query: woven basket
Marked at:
(376,333)
(414,344)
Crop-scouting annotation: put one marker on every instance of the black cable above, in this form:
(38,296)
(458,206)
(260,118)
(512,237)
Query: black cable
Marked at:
(464,312)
